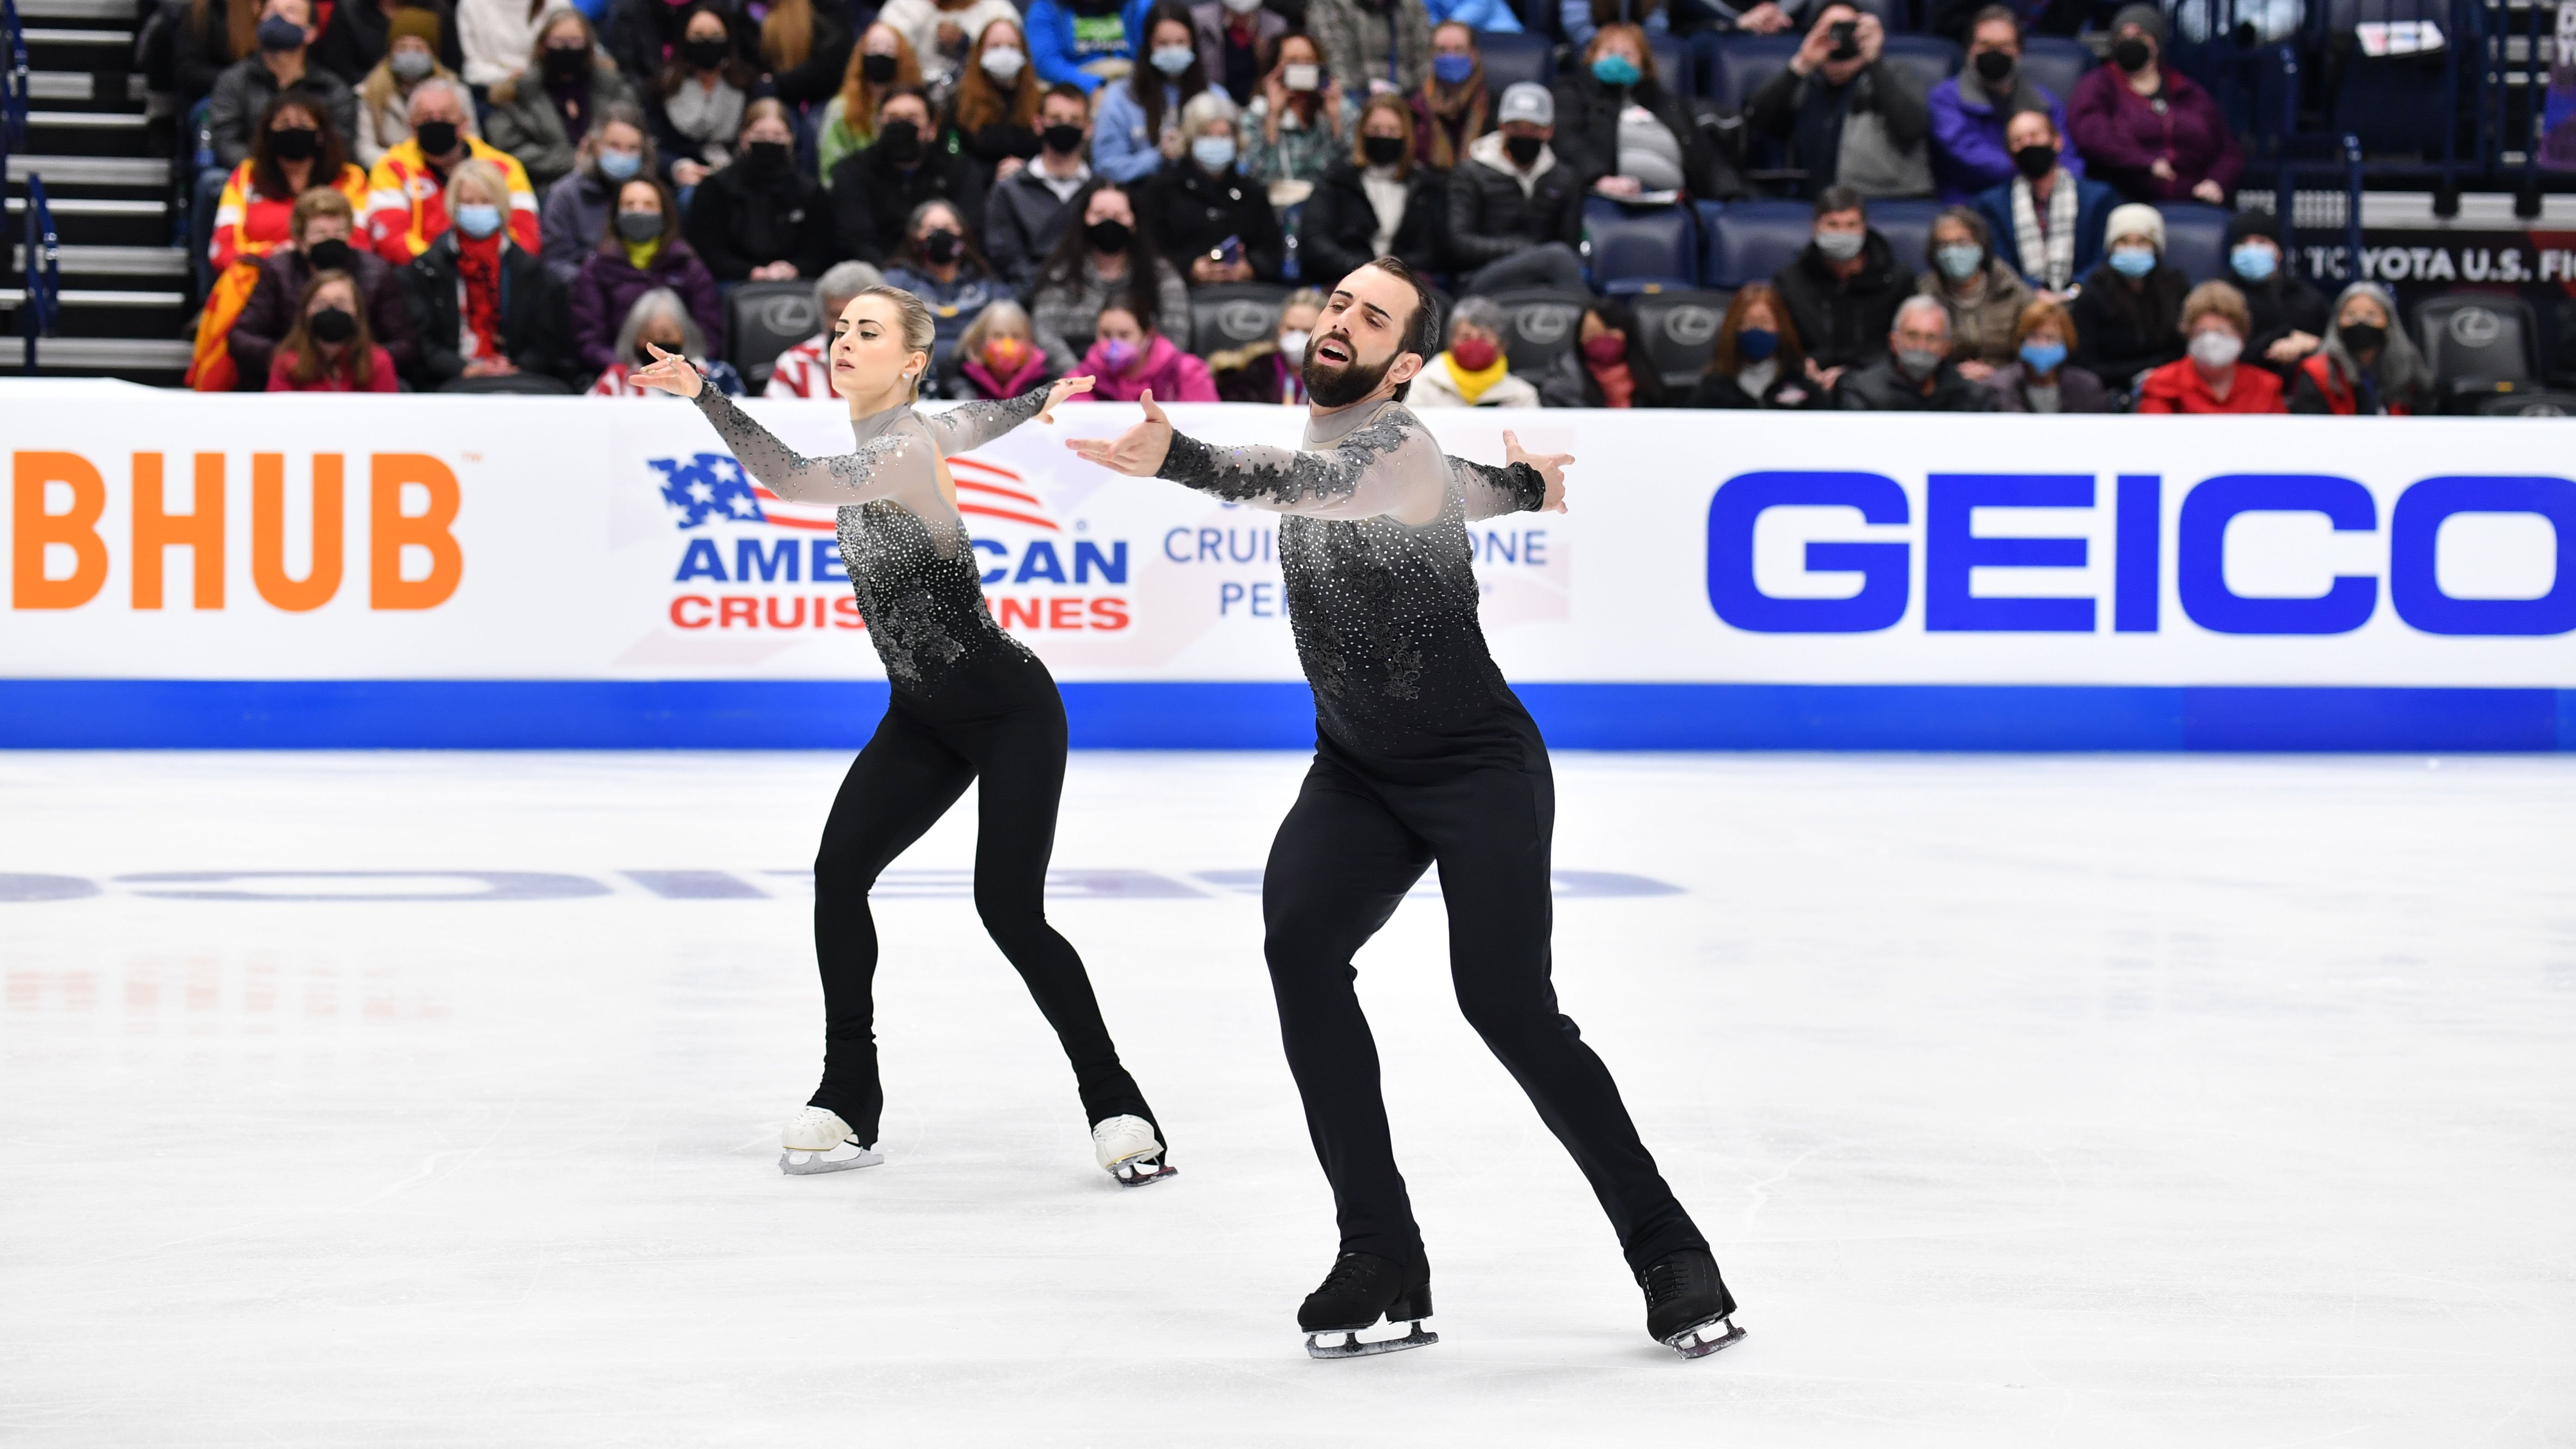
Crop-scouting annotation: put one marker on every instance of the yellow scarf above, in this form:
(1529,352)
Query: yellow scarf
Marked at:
(1472,385)
(639,255)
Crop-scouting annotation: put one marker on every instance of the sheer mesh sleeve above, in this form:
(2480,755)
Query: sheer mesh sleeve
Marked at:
(876,470)
(1493,492)
(1390,466)
(971,425)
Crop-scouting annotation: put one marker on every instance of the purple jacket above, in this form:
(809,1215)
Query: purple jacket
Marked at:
(1968,154)
(270,313)
(606,287)
(2121,134)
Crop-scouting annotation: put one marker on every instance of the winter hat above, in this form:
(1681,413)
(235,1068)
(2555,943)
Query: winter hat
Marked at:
(1526,101)
(2146,17)
(413,21)
(2250,224)
(2135,219)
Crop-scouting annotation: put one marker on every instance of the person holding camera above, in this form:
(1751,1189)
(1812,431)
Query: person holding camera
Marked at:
(1845,116)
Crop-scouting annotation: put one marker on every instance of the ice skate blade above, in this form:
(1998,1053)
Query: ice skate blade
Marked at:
(1132,1173)
(1321,1344)
(1701,1340)
(840,1159)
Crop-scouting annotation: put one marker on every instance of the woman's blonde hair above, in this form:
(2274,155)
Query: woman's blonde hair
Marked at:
(2219,299)
(482,174)
(787,34)
(920,329)
(2044,314)
(1005,313)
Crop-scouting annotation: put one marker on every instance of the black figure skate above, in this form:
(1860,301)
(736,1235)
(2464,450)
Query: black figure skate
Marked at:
(1362,1289)
(1687,1306)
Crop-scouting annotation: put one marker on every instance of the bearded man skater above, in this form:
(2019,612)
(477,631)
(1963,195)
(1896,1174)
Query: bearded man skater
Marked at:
(1422,754)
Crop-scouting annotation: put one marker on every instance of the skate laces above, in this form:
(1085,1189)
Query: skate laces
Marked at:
(1349,1270)
(1666,1280)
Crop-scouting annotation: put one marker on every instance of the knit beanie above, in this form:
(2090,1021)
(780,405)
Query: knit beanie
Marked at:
(418,23)
(2251,224)
(2146,17)
(2135,219)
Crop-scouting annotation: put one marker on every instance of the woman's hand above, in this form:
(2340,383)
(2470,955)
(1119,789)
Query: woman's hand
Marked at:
(671,373)
(2209,191)
(779,271)
(1551,467)
(1065,387)
(1333,105)
(687,173)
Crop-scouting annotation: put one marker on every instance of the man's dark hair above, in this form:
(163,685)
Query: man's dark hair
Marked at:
(1839,198)
(1067,90)
(1422,329)
(1993,13)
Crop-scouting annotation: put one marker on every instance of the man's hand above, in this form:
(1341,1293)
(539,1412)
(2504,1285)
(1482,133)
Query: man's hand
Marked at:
(2209,191)
(1137,452)
(1550,466)
(2291,347)
(1813,50)
(1871,37)
(1763,19)
(670,372)
(1065,387)
(1618,186)
(779,271)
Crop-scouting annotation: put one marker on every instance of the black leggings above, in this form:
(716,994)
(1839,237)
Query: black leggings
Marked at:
(1348,851)
(899,786)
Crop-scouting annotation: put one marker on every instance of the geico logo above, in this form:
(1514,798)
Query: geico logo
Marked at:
(59,557)
(800,611)
(1952,549)
(779,560)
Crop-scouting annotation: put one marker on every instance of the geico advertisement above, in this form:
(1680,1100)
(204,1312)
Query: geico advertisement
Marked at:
(305,537)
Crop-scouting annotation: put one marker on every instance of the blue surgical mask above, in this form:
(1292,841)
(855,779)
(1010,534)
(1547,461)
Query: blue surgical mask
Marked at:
(2254,261)
(620,165)
(1756,344)
(1213,152)
(1959,260)
(1173,59)
(2133,261)
(478,219)
(1453,70)
(1615,70)
(2042,358)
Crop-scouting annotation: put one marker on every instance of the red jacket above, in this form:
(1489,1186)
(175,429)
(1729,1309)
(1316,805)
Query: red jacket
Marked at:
(2320,379)
(2177,387)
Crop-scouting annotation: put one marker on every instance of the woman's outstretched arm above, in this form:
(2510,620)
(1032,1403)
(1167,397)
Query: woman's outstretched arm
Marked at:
(968,426)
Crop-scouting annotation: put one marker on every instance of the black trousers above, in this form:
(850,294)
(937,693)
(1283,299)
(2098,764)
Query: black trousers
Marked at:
(1354,843)
(906,778)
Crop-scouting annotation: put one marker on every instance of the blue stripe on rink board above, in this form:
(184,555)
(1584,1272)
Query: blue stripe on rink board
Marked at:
(803,714)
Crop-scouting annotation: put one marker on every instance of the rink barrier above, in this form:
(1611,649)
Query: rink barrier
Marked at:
(803,714)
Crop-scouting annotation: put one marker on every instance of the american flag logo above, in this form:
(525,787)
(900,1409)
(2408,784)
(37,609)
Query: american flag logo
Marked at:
(708,485)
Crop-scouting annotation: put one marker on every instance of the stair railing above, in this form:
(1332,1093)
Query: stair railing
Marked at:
(13,87)
(43,264)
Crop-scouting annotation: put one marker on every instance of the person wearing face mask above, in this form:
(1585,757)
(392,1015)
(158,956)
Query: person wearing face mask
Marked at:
(1233,36)
(1130,359)
(998,357)
(2128,314)
(1450,111)
(1970,153)
(2289,315)
(297,150)
(994,109)
(359,35)
(1842,114)
(575,216)
(488,315)
(1024,214)
(1086,43)
(544,113)
(1757,362)
(1377,200)
(2039,379)
(1102,254)
(943,32)
(407,190)
(881,64)
(320,230)
(2047,221)
(657,325)
(1137,126)
(1619,127)
(1202,208)
(329,349)
(411,55)
(1384,45)
(1473,372)
(875,191)
(1581,20)
(1515,215)
(2145,127)
(1272,371)
(698,105)
(1299,124)
(762,219)
(1842,289)
(2211,377)
(496,36)
(1608,366)
(2367,365)
(1917,375)
(804,51)
(646,37)
(942,267)
(643,252)
(1984,297)
(242,94)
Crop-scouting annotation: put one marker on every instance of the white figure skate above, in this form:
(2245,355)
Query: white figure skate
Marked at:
(1130,1152)
(817,1140)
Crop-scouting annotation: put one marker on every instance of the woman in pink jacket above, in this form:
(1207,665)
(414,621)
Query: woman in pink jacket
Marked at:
(1130,357)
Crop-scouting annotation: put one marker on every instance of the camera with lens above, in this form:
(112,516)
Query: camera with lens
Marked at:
(1846,39)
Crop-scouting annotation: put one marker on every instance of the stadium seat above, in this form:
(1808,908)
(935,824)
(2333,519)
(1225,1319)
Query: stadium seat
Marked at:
(2196,238)
(1234,314)
(1739,64)
(2477,341)
(1510,58)
(1637,247)
(764,319)
(2055,63)
(1747,241)
(1679,329)
(1907,225)
(1929,59)
(1542,326)
(2529,405)
(1673,65)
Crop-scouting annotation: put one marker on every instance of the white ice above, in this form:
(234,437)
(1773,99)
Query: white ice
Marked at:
(2063,1101)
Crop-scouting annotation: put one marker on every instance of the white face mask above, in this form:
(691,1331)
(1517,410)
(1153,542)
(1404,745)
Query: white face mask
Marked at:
(2214,348)
(1242,7)
(1004,64)
(1292,346)
(1302,77)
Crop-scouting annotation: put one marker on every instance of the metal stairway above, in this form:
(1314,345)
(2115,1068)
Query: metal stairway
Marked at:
(125,290)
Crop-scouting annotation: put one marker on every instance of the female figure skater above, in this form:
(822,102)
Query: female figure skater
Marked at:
(969,701)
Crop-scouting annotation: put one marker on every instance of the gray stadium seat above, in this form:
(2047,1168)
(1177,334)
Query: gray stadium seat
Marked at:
(764,319)
(1637,247)
(1234,315)
(1747,241)
(1929,59)
(1542,326)
(1680,329)
(2477,341)
(2055,63)
(1510,58)
(2196,239)
(1907,225)
(2529,405)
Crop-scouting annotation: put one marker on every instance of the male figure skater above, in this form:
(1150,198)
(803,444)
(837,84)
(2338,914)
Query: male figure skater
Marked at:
(1422,753)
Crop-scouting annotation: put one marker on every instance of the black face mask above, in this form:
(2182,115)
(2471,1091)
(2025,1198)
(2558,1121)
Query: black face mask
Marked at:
(765,158)
(328,255)
(567,62)
(2363,337)
(706,54)
(277,34)
(2035,161)
(901,141)
(295,143)
(1994,66)
(1523,150)
(1108,236)
(1382,150)
(2131,55)
(943,246)
(878,69)
(639,227)
(436,138)
(334,324)
(1063,140)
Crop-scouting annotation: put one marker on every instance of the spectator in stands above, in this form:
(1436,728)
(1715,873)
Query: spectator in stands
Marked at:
(805,370)
(294,150)
(1952,20)
(1202,208)
(1970,152)
(496,36)
(882,64)
(1515,214)
(359,35)
(660,319)
(1917,375)
(2128,316)
(2289,315)
(875,189)
(942,267)
(994,110)
(1473,372)
(329,349)
(2047,221)
(322,226)
(698,107)
(1299,124)
(1582,19)
(243,92)
(214,34)
(1984,297)
(1081,43)
(1376,45)
(384,97)
(998,357)
(1847,117)
(1025,213)
(648,36)
(1273,371)
(1758,362)
(1376,201)
(544,112)
(481,303)
(941,32)
(804,50)
(1234,36)
(1608,367)
(1131,358)
(1450,110)
(2147,129)
(1137,126)
(643,253)
(2367,367)
(1842,289)
(1617,125)
(407,190)
(1105,256)
(616,151)
(2209,378)
(761,219)
(2039,379)
(1493,15)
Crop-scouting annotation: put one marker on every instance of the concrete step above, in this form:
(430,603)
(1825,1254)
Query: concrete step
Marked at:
(97,312)
(88,133)
(123,356)
(60,48)
(100,221)
(122,12)
(87,90)
(110,261)
(139,173)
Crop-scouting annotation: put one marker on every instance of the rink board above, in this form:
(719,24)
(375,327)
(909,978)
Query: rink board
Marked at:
(511,572)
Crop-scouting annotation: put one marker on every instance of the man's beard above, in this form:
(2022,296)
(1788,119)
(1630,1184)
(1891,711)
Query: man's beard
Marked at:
(1339,385)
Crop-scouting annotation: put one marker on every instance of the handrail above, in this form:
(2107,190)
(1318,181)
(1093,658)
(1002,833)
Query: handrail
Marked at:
(13,87)
(2352,206)
(42,261)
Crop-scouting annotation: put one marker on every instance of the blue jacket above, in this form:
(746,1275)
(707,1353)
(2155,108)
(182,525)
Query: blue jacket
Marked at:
(1576,17)
(1489,15)
(1968,154)
(1120,149)
(1059,57)
(2093,203)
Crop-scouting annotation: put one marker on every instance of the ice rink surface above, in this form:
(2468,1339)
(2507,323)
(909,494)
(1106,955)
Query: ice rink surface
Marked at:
(2045,1101)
